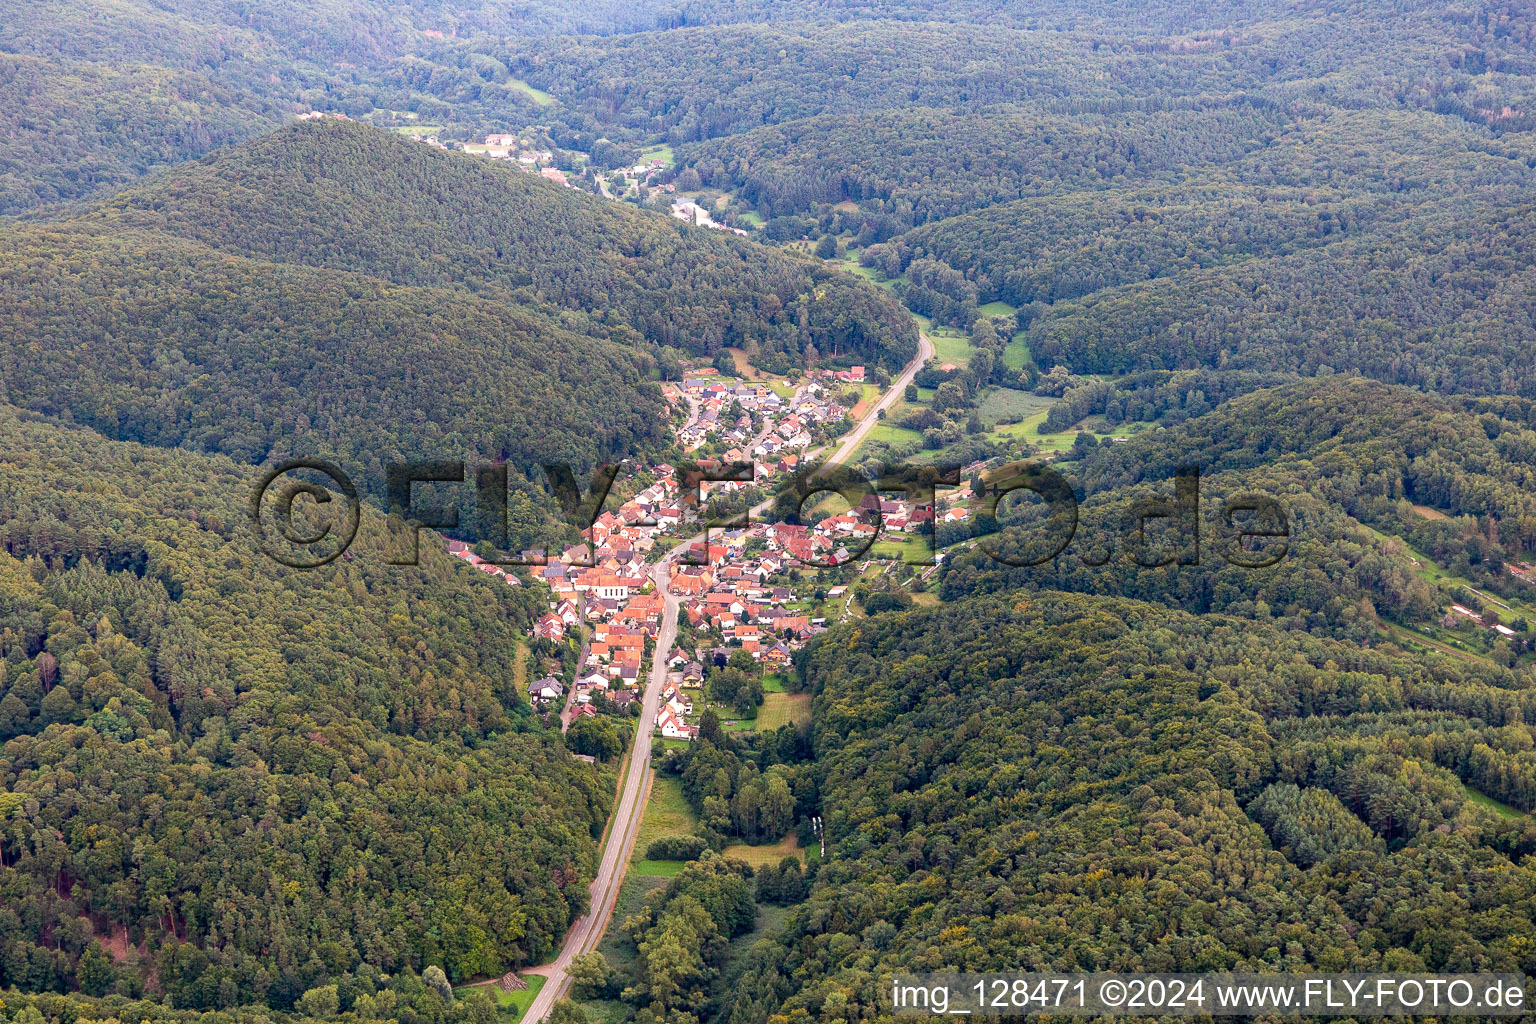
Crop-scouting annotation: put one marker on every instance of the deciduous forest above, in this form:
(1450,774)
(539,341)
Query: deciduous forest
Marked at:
(1291,245)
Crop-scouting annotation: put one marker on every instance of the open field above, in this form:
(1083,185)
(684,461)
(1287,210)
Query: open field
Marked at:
(949,345)
(1028,429)
(1016,352)
(780,709)
(1002,404)
(890,433)
(666,814)
(1503,810)
(898,547)
(662,153)
(744,368)
(656,868)
(538,96)
(768,853)
(512,1004)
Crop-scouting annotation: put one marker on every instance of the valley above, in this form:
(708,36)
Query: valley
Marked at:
(767,725)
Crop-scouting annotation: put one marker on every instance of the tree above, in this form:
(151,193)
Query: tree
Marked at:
(595,737)
(324,1003)
(57,706)
(590,975)
(434,978)
(13,715)
(567,1012)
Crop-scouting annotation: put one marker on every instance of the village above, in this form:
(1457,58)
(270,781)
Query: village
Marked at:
(763,589)
(522,152)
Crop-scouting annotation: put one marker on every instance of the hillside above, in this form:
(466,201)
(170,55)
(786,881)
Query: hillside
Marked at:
(394,303)
(1078,784)
(350,367)
(345,196)
(248,781)
(1345,456)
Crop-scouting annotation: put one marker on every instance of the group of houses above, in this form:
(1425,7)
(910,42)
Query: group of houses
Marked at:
(758,423)
(734,585)
(690,212)
(520,152)
(676,706)
(461,550)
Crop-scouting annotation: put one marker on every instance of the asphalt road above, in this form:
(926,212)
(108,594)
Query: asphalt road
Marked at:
(588,930)
(851,439)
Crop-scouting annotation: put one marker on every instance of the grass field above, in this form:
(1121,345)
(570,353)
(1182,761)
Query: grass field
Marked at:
(520,669)
(662,153)
(890,433)
(781,709)
(1029,430)
(770,853)
(418,129)
(744,368)
(1016,352)
(1002,403)
(666,814)
(852,265)
(1503,810)
(657,868)
(949,345)
(512,1004)
(773,683)
(998,308)
(538,96)
(898,549)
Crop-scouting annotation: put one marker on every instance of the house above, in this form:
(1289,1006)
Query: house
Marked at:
(546,689)
(672,727)
(569,612)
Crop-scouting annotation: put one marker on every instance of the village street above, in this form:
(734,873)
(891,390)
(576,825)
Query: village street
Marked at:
(625,823)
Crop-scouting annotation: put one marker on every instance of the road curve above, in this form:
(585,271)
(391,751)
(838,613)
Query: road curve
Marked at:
(588,930)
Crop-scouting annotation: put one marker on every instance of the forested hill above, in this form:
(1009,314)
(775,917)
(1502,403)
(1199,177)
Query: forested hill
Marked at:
(394,302)
(246,781)
(148,338)
(1373,478)
(346,196)
(1052,782)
